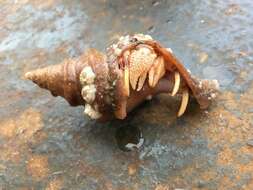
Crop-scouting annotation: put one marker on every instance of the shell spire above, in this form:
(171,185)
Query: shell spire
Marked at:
(60,80)
(63,79)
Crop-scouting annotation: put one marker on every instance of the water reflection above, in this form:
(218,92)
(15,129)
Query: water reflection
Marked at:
(129,138)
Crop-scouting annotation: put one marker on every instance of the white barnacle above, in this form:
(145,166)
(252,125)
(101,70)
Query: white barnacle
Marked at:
(117,51)
(148,37)
(89,93)
(213,95)
(169,50)
(125,40)
(200,84)
(87,76)
(149,97)
(121,38)
(216,84)
(114,46)
(92,113)
(114,83)
(143,37)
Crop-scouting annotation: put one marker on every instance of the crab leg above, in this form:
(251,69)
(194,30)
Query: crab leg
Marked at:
(141,81)
(126,73)
(126,80)
(184,102)
(177,83)
(159,70)
(151,75)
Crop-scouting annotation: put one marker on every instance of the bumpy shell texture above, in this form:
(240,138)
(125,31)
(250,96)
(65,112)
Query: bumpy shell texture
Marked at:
(111,85)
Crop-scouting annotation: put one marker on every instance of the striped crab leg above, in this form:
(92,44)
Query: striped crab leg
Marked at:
(157,71)
(126,73)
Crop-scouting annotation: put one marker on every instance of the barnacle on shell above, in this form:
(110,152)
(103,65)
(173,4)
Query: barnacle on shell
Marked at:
(111,85)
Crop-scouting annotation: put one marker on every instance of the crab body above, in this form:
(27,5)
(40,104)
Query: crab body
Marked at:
(141,63)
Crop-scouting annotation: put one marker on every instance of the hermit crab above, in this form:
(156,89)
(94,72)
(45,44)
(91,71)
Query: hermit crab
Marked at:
(110,85)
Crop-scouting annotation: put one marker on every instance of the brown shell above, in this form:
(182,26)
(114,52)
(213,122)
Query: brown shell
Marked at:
(61,80)
(111,99)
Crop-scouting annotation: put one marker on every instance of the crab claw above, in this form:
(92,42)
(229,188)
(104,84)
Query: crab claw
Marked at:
(159,70)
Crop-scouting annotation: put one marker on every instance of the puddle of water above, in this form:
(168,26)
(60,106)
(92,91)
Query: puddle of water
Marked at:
(129,138)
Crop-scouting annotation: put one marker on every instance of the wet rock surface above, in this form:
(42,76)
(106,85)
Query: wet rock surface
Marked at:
(45,144)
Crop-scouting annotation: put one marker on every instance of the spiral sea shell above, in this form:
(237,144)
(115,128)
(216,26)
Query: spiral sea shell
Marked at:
(112,84)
